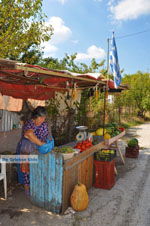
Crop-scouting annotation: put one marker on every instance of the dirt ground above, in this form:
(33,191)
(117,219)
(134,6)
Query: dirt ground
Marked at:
(126,204)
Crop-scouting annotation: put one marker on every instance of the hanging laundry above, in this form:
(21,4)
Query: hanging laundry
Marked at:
(10,104)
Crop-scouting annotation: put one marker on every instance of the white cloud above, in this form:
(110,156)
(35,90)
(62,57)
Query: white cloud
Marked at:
(62,1)
(49,49)
(129,9)
(92,52)
(62,33)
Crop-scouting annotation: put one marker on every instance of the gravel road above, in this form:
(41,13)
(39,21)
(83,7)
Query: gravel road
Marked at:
(126,204)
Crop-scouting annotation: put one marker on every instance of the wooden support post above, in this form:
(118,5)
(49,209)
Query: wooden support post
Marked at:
(115,170)
(120,153)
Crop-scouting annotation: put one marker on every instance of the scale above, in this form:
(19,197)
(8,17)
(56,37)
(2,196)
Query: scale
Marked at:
(83,134)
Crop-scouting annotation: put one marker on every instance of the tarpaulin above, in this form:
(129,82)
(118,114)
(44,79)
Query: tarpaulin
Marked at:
(31,81)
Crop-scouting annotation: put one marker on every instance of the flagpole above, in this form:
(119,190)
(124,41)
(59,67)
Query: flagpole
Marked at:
(106,88)
(108,56)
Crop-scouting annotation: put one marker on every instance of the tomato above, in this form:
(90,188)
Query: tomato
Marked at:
(83,147)
(121,129)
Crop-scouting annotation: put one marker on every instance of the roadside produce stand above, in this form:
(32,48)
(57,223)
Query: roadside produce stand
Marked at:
(52,179)
(57,178)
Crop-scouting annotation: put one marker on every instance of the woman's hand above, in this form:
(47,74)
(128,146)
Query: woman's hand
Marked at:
(31,136)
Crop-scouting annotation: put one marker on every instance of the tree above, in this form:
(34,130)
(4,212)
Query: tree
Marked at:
(31,55)
(141,90)
(69,63)
(22,25)
(137,96)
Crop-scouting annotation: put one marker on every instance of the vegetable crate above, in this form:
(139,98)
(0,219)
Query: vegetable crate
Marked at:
(105,155)
(104,174)
(132,152)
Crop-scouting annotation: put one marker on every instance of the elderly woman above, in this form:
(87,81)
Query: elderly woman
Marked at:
(35,132)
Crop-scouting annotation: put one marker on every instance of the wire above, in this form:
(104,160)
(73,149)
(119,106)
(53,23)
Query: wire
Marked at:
(133,34)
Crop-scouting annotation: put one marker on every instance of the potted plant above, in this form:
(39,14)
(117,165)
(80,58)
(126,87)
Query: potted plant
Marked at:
(132,150)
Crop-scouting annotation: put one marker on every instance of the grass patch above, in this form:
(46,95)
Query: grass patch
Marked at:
(134,121)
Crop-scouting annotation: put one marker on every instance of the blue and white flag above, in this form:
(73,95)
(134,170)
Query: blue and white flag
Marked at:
(113,61)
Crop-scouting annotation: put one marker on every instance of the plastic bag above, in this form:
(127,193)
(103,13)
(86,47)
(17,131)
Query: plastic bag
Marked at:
(46,148)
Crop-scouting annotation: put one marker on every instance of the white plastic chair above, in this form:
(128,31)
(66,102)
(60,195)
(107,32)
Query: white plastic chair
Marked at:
(4,178)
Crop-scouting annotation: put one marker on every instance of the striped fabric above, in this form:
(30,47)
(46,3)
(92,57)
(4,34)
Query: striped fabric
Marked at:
(113,61)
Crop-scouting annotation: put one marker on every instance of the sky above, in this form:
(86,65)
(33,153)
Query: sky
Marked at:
(84,27)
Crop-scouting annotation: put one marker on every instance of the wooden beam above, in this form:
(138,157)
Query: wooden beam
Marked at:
(20,77)
(57,74)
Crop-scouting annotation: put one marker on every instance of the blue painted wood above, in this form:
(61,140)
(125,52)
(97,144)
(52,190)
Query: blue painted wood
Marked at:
(46,181)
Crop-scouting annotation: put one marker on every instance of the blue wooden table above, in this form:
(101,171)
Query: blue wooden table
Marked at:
(46,181)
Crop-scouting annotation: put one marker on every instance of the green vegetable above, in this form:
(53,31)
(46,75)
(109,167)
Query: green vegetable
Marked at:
(65,149)
(133,142)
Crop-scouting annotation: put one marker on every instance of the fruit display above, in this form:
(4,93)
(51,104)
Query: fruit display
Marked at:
(83,145)
(99,132)
(107,136)
(79,198)
(113,129)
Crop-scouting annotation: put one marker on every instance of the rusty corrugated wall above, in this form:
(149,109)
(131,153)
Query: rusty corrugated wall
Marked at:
(8,120)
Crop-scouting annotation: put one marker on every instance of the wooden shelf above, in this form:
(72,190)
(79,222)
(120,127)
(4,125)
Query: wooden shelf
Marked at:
(113,139)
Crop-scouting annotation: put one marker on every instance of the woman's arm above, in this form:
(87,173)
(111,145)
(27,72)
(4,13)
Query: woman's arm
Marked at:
(31,136)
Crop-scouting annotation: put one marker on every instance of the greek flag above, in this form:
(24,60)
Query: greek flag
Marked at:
(113,61)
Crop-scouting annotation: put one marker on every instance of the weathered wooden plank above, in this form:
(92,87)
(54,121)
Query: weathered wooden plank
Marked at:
(40,173)
(52,179)
(90,172)
(66,186)
(69,181)
(58,188)
(83,172)
(49,193)
(46,182)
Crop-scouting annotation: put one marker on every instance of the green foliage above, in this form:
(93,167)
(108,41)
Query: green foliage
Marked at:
(137,96)
(21,26)
(69,63)
(32,55)
(52,107)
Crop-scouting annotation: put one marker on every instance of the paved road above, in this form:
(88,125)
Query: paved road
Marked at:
(126,204)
